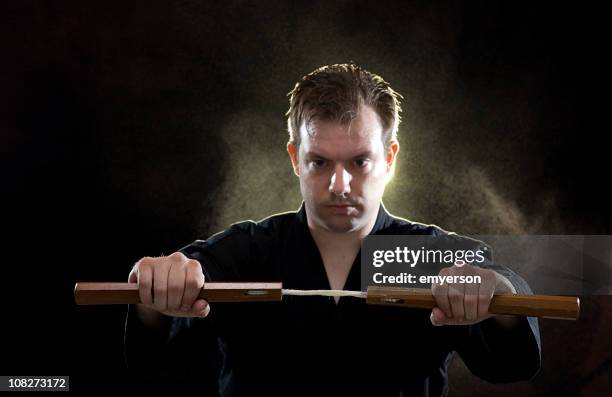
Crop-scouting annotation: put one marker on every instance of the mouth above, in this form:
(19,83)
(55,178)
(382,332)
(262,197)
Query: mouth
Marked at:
(342,208)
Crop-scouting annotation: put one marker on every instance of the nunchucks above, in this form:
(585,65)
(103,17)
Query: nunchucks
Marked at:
(545,306)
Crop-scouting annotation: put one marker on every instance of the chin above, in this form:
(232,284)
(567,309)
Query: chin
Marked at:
(343,226)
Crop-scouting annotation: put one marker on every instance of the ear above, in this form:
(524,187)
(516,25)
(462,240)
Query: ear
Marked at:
(293,155)
(391,155)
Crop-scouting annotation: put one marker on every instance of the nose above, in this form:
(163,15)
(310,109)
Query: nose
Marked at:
(340,183)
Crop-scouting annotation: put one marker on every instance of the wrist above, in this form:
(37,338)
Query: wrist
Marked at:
(149,317)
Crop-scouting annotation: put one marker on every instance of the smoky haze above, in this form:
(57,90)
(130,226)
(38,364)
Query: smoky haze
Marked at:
(482,130)
(132,129)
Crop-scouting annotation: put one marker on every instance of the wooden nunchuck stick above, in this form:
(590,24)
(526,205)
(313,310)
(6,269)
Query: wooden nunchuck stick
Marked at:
(127,293)
(547,306)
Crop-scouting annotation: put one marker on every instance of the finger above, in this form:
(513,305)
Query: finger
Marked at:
(200,308)
(437,317)
(470,302)
(133,277)
(176,285)
(485,294)
(440,293)
(456,295)
(160,287)
(194,282)
(145,281)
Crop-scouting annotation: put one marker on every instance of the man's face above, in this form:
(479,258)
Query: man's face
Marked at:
(343,170)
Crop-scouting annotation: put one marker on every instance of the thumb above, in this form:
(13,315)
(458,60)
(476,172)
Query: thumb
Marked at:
(133,277)
(437,317)
(200,308)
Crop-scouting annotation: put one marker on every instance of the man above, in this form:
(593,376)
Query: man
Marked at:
(343,144)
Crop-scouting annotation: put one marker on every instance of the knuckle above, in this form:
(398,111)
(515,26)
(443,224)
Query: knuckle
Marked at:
(145,261)
(176,256)
(142,264)
(193,264)
(192,283)
(455,270)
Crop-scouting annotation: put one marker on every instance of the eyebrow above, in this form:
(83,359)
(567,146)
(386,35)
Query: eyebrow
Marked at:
(363,153)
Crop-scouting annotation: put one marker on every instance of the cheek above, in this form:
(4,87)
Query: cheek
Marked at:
(310,182)
(373,182)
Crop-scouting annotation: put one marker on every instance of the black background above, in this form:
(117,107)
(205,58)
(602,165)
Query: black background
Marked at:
(133,129)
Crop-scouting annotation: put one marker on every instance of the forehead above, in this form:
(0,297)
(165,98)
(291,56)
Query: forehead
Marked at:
(332,139)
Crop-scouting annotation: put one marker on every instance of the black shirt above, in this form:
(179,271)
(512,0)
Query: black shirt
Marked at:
(308,345)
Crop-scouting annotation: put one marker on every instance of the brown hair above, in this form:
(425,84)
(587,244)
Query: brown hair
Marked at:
(336,93)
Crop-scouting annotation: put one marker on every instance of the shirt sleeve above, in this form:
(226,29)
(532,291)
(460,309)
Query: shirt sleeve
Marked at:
(182,347)
(491,352)
(498,354)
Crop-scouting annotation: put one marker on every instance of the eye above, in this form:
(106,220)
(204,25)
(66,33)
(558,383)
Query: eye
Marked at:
(318,163)
(361,163)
